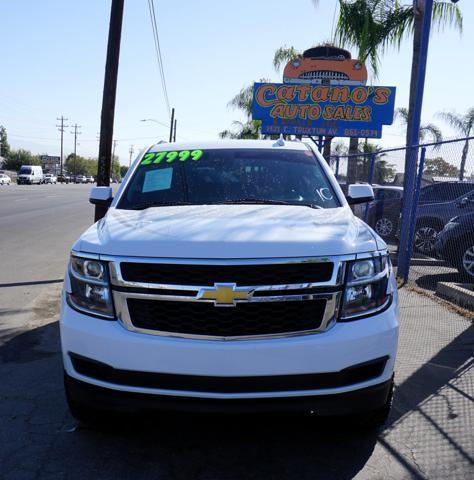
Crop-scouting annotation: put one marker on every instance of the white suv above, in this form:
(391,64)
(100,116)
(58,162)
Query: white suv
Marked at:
(230,276)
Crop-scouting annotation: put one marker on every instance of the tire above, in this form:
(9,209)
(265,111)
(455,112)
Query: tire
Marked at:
(385,227)
(425,238)
(465,262)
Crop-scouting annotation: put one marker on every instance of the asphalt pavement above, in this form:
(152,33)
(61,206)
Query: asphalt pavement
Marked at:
(429,433)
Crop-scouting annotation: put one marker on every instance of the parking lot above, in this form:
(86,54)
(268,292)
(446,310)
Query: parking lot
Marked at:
(429,434)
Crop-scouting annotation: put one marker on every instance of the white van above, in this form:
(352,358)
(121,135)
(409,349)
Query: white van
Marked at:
(30,174)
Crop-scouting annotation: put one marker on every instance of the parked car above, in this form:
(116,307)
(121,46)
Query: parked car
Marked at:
(90,179)
(30,174)
(5,179)
(444,191)
(234,278)
(50,178)
(455,244)
(384,210)
(64,178)
(80,179)
(432,217)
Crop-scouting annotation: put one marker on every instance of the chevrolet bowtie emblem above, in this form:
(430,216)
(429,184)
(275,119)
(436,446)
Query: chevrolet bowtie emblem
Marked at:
(225,294)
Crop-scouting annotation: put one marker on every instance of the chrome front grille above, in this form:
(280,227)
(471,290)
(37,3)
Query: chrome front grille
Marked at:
(302,298)
(324,75)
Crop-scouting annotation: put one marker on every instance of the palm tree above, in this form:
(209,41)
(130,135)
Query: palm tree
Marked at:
(374,25)
(249,130)
(285,54)
(427,130)
(243,102)
(464,124)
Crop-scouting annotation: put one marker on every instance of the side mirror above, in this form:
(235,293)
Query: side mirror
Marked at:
(101,196)
(359,193)
(464,202)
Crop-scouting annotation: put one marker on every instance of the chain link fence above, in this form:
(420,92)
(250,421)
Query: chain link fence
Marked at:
(437,233)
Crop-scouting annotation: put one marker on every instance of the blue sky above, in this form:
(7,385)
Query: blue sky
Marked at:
(53,56)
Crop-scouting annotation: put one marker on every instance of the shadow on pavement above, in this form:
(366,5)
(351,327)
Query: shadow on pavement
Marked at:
(185,446)
(429,282)
(26,284)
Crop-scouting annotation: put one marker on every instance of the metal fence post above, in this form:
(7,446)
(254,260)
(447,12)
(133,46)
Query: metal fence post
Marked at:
(370,180)
(413,216)
(412,140)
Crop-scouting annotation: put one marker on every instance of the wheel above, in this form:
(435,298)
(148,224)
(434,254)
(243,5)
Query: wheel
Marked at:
(465,262)
(385,227)
(425,238)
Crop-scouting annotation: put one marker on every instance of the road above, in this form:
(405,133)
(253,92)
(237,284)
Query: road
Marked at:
(429,434)
(38,224)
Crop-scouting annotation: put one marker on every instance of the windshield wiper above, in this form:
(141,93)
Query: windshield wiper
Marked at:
(262,201)
(144,205)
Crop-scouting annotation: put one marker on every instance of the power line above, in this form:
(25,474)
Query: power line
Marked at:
(159,58)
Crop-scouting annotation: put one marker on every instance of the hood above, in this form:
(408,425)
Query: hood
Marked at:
(228,231)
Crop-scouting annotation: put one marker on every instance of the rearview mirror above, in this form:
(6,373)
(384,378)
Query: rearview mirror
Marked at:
(359,193)
(101,196)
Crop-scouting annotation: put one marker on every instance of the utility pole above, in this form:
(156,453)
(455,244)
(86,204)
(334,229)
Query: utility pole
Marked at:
(108,100)
(171,124)
(131,153)
(76,133)
(61,129)
(174,130)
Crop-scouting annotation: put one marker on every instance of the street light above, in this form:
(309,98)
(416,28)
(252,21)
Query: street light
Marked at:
(163,124)
(154,120)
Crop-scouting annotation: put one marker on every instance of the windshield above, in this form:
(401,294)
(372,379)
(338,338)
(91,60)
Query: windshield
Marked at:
(25,171)
(196,177)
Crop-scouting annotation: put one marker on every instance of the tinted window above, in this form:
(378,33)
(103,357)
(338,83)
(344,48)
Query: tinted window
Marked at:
(445,192)
(230,176)
(25,171)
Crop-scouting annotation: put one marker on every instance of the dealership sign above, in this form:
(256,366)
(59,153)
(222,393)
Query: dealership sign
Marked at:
(329,110)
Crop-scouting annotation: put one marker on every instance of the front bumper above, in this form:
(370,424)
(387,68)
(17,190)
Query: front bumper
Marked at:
(357,401)
(343,346)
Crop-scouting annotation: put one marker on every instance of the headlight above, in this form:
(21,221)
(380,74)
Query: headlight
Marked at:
(367,288)
(90,289)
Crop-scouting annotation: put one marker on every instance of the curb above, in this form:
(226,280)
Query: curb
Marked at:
(462,294)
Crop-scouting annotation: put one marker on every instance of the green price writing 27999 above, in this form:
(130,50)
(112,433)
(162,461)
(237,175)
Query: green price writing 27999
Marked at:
(170,157)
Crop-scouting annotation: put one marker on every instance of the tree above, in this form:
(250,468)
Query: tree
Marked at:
(438,167)
(243,102)
(426,129)
(444,13)
(374,25)
(383,171)
(77,165)
(249,130)
(4,145)
(464,124)
(17,158)
(123,170)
